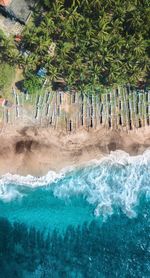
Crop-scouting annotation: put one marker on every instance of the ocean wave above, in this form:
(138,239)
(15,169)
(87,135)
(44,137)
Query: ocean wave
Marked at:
(31,181)
(117,180)
(118,157)
(9,193)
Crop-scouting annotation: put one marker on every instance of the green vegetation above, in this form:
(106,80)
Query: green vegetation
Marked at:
(33,83)
(8,52)
(88,44)
(8,56)
(91,43)
(7,74)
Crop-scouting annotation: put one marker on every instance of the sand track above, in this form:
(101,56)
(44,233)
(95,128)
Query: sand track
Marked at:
(35,151)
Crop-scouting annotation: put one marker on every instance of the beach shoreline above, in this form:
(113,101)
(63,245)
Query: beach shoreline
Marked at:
(35,150)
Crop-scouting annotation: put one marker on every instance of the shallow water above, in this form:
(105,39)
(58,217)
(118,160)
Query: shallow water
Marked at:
(114,191)
(73,196)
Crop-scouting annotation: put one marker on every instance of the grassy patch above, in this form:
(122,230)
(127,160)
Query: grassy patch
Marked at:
(7,75)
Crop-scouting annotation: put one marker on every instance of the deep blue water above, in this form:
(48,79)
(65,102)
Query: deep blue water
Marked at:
(115,193)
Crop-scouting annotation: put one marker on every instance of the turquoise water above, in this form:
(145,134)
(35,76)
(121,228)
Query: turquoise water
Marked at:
(114,192)
(39,208)
(74,196)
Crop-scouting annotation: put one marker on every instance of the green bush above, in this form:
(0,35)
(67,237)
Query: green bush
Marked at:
(33,83)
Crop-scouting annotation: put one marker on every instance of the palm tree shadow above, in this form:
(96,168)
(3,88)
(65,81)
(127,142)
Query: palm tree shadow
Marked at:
(20,85)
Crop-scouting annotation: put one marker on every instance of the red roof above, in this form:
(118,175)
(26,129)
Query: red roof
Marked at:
(18,38)
(2,101)
(5,2)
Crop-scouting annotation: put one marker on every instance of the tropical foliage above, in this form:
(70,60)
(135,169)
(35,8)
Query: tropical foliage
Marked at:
(90,43)
(33,83)
(85,43)
(8,51)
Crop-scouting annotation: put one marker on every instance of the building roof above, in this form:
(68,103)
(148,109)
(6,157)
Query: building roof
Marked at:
(5,2)
(18,9)
(21,9)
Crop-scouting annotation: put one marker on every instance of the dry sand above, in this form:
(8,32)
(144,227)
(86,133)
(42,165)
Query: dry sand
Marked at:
(35,151)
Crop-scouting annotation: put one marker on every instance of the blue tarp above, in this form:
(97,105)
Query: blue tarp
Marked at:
(42,72)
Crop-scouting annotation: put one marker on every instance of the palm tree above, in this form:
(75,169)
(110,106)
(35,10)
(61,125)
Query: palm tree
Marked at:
(95,41)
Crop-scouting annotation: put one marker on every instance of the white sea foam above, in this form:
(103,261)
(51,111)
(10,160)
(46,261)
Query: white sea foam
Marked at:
(10,185)
(8,193)
(32,181)
(123,158)
(115,181)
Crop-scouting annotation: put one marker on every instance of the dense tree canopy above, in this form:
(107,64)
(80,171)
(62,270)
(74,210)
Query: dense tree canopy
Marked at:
(89,43)
(85,43)
(8,51)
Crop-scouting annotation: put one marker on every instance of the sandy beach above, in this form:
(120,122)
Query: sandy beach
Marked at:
(35,151)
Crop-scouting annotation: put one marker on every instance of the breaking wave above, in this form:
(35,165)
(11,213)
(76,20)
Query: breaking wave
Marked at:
(116,182)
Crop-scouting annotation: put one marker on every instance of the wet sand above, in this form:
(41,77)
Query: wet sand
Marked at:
(35,151)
